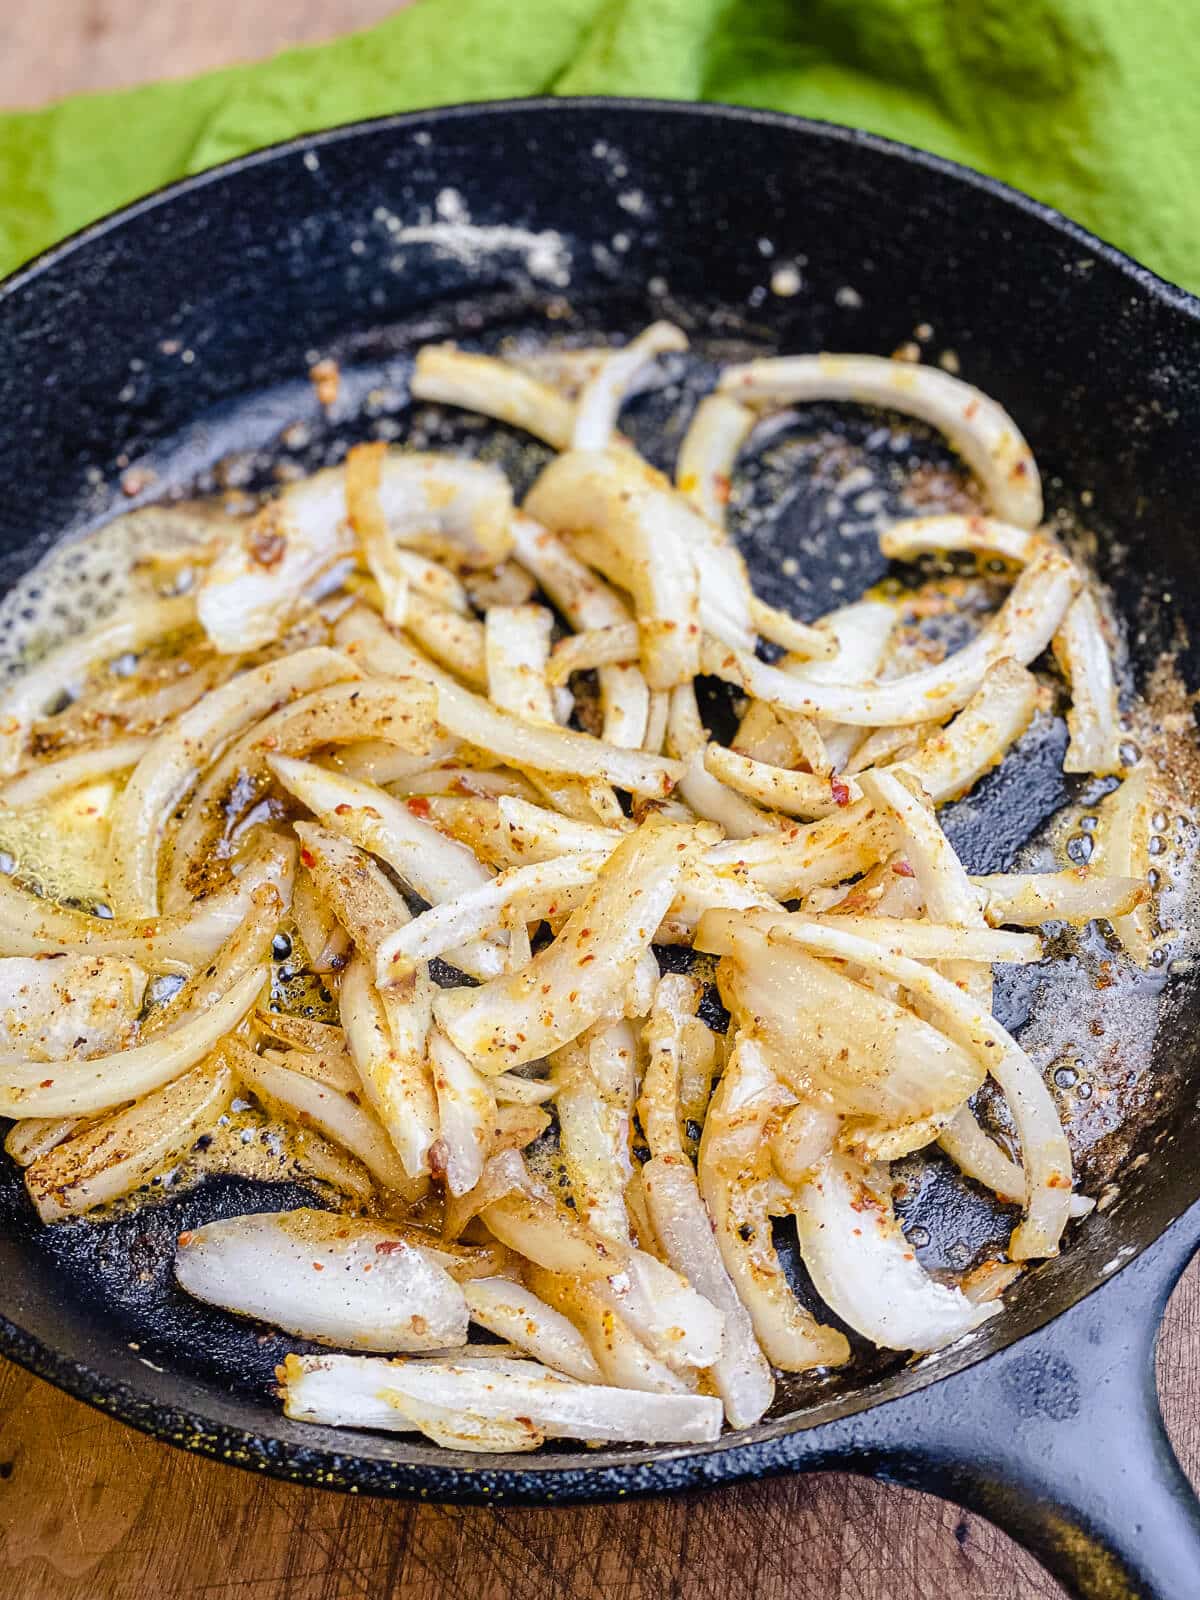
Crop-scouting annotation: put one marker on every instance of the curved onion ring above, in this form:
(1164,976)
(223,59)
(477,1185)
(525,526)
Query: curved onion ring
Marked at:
(452,377)
(162,776)
(982,432)
(60,671)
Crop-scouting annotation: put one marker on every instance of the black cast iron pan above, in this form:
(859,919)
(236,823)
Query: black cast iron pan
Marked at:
(171,336)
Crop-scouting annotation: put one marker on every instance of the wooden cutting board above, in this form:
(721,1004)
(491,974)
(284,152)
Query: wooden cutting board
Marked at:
(90,1510)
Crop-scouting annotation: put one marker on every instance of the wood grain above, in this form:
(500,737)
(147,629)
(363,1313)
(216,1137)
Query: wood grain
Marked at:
(90,1510)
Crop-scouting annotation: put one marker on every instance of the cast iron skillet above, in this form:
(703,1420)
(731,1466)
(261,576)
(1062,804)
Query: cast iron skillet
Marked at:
(182,329)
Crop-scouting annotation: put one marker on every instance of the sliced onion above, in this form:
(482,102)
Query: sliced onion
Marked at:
(789,862)
(364,466)
(33,1137)
(495,388)
(941,877)
(587,602)
(1078,895)
(259,578)
(1092,721)
(797,794)
(601,396)
(830,1039)
(986,437)
(734,1163)
(580,978)
(951,762)
(624,520)
(30,1089)
(1021,629)
(517,649)
(517,1314)
(741,1374)
(1123,850)
(456,643)
(337,1280)
(530,1220)
(48,779)
(938,941)
(594,1139)
(350,1391)
(400,713)
(512,739)
(598,647)
(169,767)
(675,1002)
(466,1114)
(1045,1153)
(64,670)
(338,1116)
(982,536)
(114,1156)
(69,1007)
(436,867)
(621,1356)
(387,1045)
(804,1138)
(539,890)
(447,506)
(864,1268)
(676,1324)
(714,439)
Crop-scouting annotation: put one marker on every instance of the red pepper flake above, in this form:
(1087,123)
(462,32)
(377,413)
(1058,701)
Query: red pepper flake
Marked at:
(839,790)
(342,810)
(47,1083)
(388,1247)
(184,1240)
(307,857)
(318,1266)
(902,869)
(418,805)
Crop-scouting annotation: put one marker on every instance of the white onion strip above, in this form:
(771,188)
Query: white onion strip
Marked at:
(495,389)
(515,1313)
(34,1089)
(48,779)
(623,519)
(601,396)
(714,439)
(64,669)
(732,1171)
(982,432)
(516,653)
(338,1280)
(1021,629)
(114,1156)
(796,794)
(1092,721)
(512,739)
(437,868)
(1045,1153)
(541,889)
(164,773)
(364,1392)
(579,979)
(866,1271)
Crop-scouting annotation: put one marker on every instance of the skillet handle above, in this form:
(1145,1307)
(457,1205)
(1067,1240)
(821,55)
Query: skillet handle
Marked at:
(1059,1440)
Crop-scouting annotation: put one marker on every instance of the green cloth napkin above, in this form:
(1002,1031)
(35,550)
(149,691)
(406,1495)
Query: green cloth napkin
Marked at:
(1092,105)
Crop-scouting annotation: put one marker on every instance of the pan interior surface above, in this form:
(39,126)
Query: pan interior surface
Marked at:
(182,368)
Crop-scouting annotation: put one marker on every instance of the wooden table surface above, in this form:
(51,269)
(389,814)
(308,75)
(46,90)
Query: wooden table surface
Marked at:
(90,1510)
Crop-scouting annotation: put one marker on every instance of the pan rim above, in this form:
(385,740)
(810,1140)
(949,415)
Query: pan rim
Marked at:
(734,1458)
